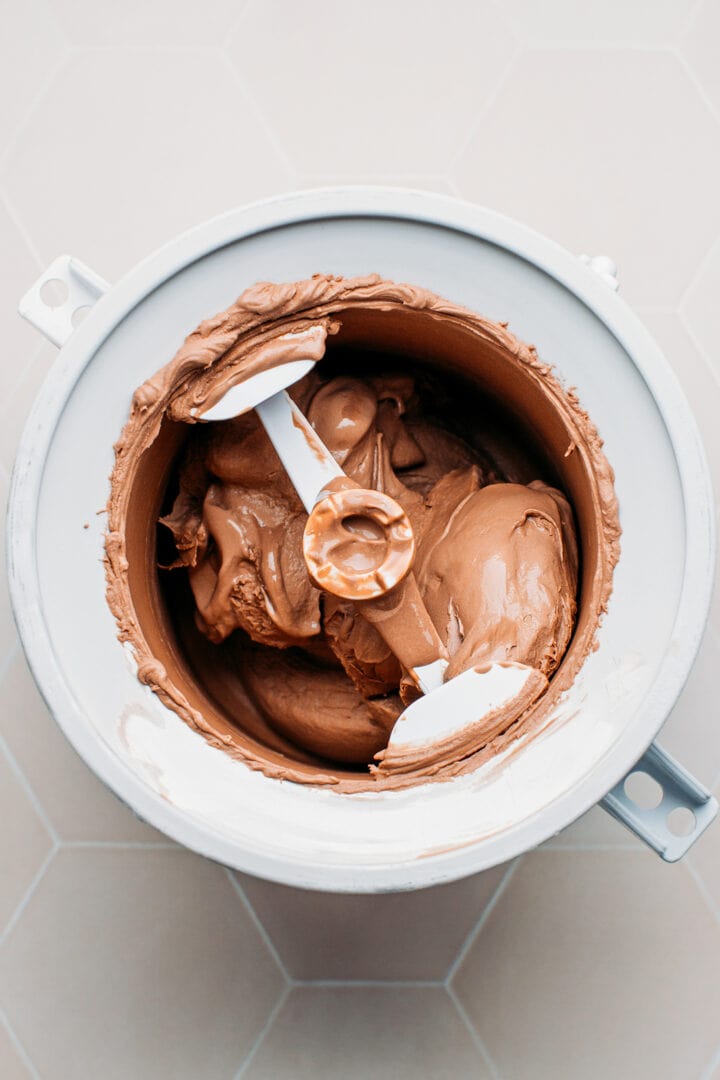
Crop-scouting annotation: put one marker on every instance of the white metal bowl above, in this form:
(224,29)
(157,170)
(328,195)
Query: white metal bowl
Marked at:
(435,832)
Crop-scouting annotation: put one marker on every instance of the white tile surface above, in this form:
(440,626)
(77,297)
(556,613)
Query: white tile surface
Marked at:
(32,46)
(359,1032)
(701,48)
(578,973)
(152,142)
(392,90)
(24,841)
(599,123)
(146,22)
(136,963)
(396,936)
(576,144)
(607,22)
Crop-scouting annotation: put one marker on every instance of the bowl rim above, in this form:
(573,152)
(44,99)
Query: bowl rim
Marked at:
(419,207)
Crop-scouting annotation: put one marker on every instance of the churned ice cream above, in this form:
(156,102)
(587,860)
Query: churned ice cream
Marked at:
(427,402)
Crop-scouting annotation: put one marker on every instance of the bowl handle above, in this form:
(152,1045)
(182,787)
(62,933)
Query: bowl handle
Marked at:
(65,291)
(680,791)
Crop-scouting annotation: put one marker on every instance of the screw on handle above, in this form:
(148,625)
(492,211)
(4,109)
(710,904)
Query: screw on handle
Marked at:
(680,791)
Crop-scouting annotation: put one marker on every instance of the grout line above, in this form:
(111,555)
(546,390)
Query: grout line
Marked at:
(14,918)
(32,797)
(474,1035)
(690,20)
(283,156)
(44,85)
(690,72)
(699,271)
(270,945)
(367,984)
(709,364)
(21,1051)
(265,1031)
(17,221)
(712,1068)
(492,97)
(473,934)
(703,889)
(454,189)
(510,25)
(234,26)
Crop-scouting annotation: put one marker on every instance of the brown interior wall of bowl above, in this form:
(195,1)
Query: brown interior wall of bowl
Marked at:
(166,618)
(523,393)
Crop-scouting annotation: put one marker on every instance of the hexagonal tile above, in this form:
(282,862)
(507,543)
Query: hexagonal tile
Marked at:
(704,857)
(700,48)
(31,45)
(79,805)
(24,841)
(394,90)
(413,935)
(136,963)
(596,964)
(153,22)
(388,1033)
(12,1066)
(18,270)
(644,22)
(700,309)
(583,145)
(152,143)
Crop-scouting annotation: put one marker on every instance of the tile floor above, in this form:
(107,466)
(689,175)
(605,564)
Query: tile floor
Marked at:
(123,956)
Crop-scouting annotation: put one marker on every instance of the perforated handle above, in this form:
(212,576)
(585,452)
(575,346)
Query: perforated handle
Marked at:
(55,303)
(680,791)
